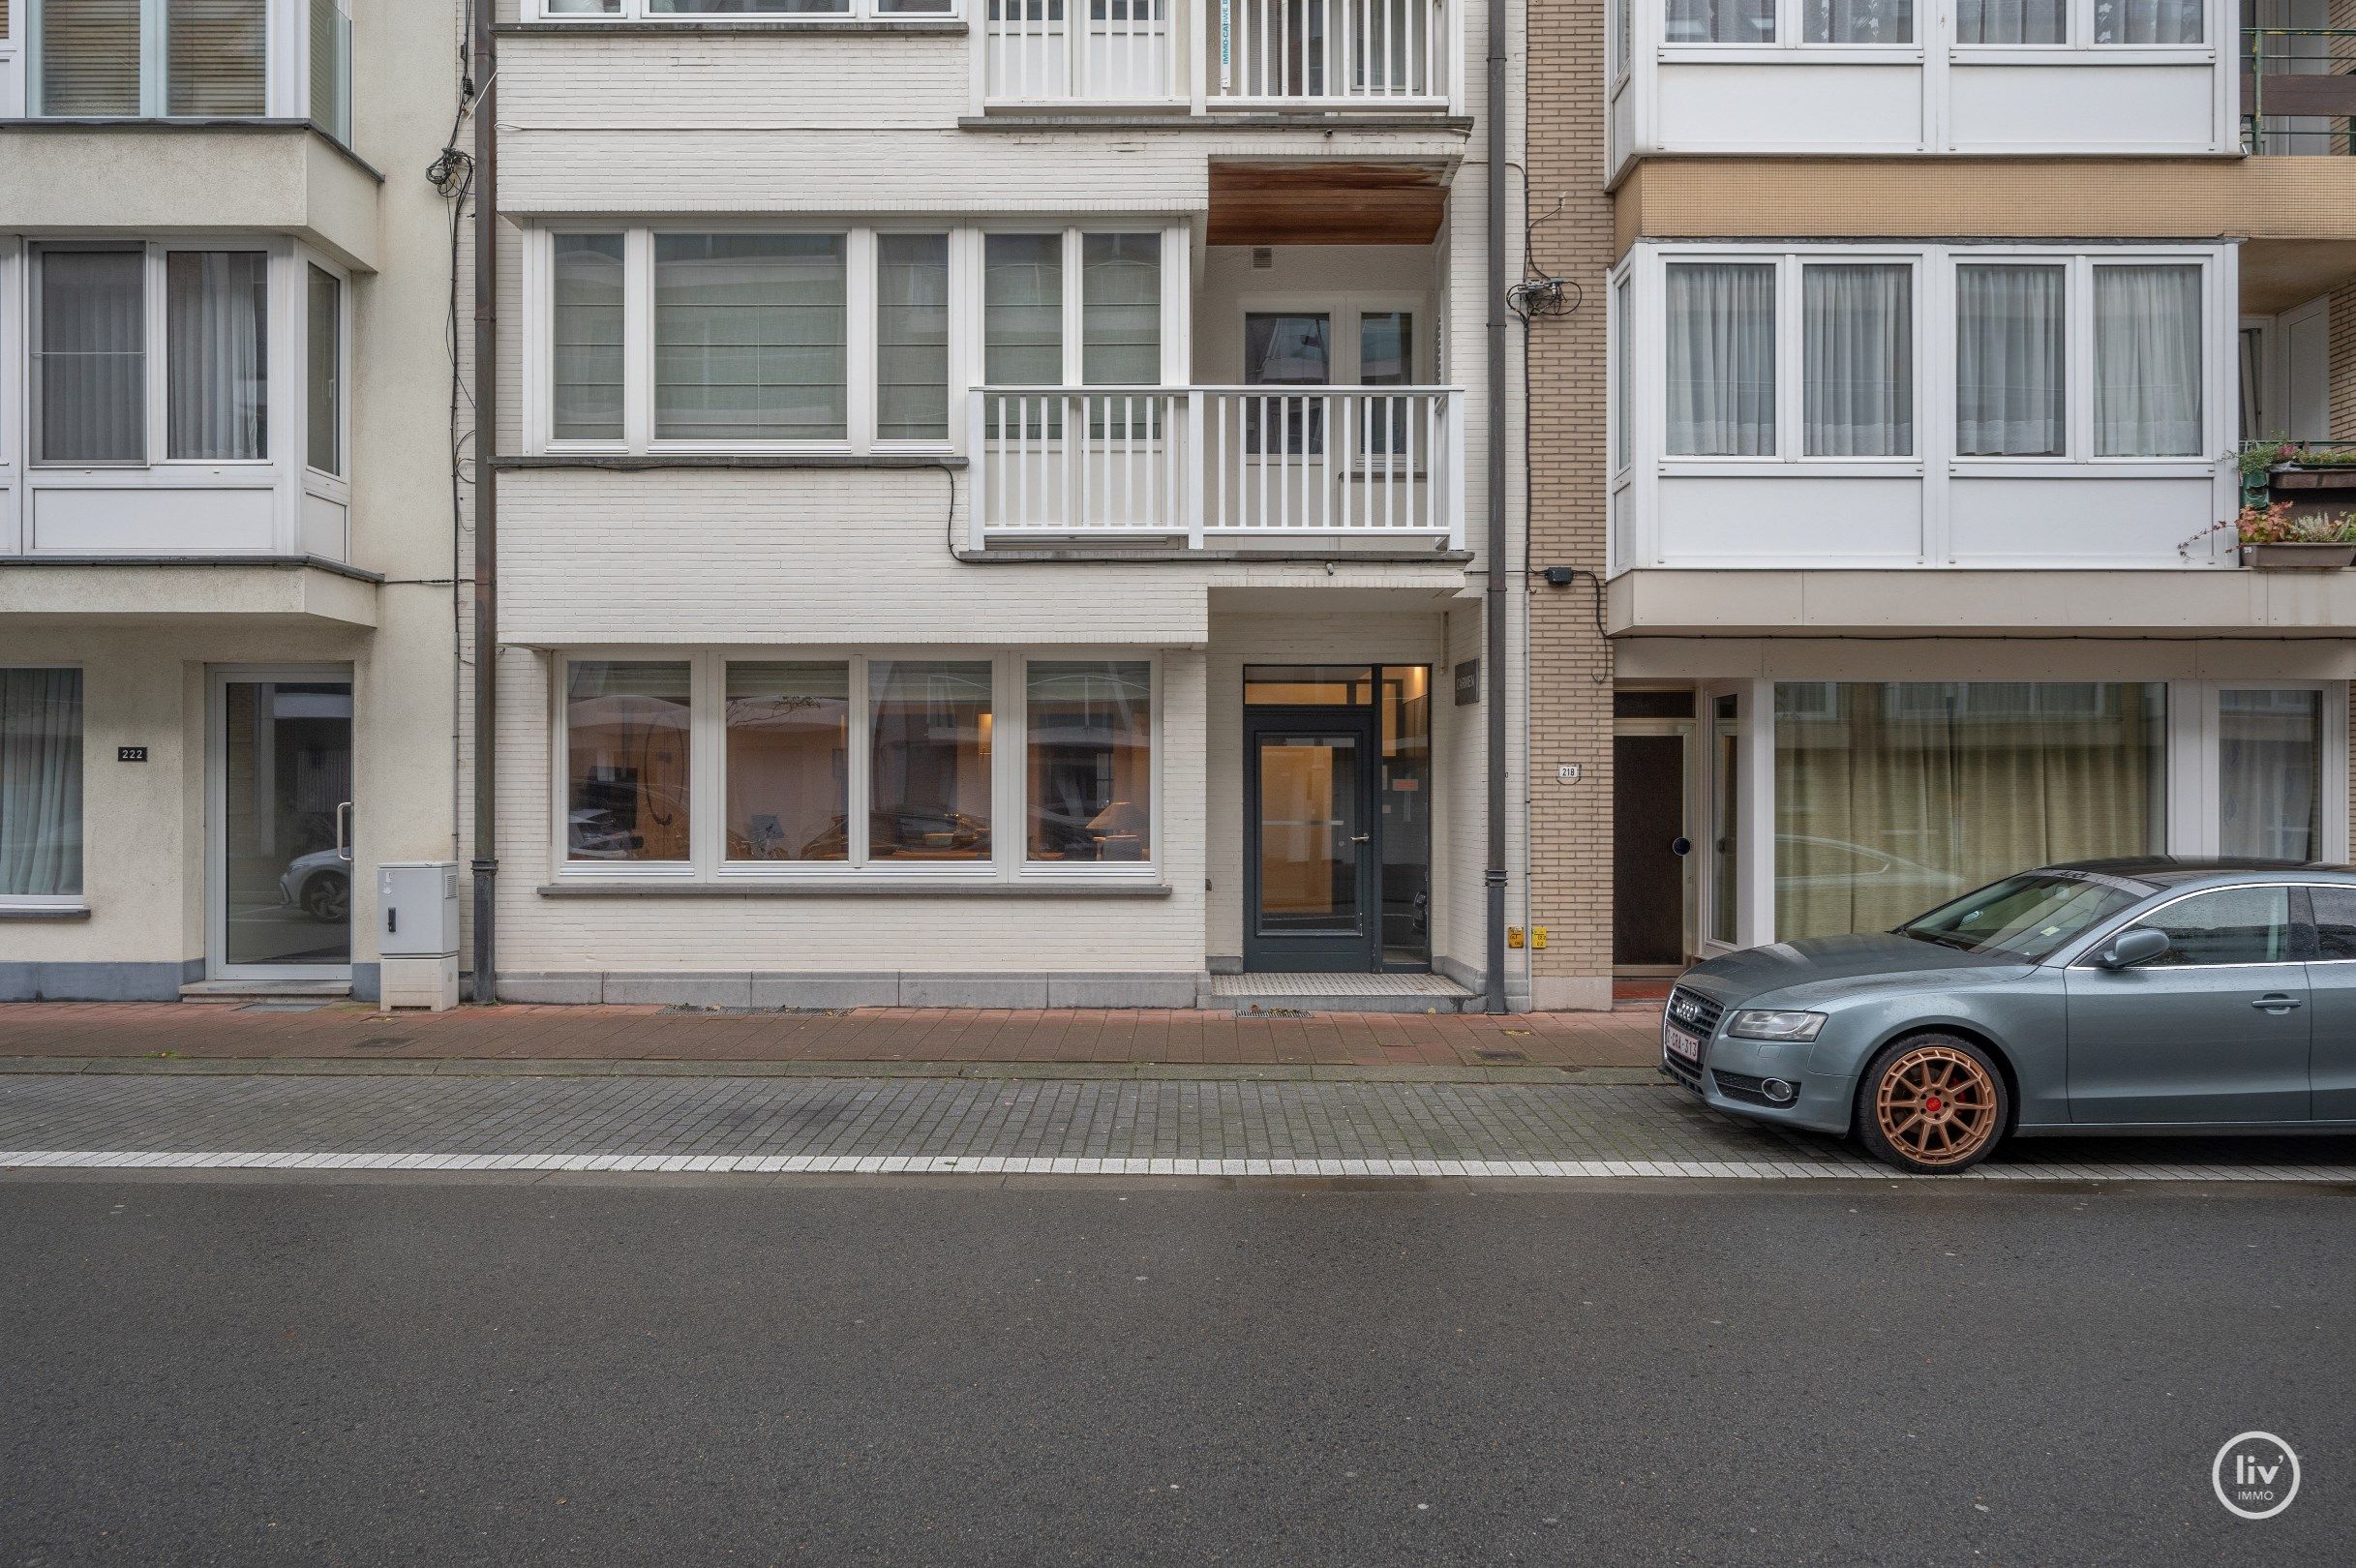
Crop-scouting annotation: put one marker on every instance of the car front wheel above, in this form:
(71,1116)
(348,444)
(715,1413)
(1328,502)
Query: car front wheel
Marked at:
(327,897)
(1933,1105)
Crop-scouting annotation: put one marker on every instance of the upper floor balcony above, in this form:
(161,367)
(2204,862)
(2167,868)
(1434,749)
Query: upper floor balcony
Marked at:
(1215,56)
(1893,77)
(2297,93)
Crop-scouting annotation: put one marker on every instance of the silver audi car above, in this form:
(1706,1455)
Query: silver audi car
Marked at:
(2102,996)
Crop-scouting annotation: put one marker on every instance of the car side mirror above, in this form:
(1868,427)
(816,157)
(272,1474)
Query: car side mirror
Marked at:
(2127,950)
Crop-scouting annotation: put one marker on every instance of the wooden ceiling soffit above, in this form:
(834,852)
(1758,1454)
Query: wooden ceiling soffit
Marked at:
(1327,204)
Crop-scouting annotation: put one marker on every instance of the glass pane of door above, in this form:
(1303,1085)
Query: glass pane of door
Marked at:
(2270,775)
(285,761)
(1310,836)
(1286,350)
(1726,794)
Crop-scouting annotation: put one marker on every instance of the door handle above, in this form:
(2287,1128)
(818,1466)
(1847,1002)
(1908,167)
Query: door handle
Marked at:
(344,832)
(1362,839)
(2274,1004)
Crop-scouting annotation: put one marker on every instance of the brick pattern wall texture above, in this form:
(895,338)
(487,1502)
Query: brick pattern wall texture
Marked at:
(1570,665)
(2344,364)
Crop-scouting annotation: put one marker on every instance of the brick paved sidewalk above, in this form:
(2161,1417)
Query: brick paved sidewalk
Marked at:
(788,1127)
(221,1031)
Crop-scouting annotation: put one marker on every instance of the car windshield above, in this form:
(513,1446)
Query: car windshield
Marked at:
(2029,916)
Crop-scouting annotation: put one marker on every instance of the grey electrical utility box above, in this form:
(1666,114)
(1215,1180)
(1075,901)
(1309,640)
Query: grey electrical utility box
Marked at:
(417,909)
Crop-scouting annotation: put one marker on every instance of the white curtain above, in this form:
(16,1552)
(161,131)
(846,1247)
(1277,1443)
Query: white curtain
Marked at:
(2012,21)
(588,331)
(2146,361)
(41,783)
(1721,370)
(2270,766)
(2009,358)
(1721,21)
(1860,21)
(216,354)
(2147,22)
(1858,361)
(92,379)
(750,337)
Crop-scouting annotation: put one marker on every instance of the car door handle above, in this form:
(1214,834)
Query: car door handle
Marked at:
(2274,1004)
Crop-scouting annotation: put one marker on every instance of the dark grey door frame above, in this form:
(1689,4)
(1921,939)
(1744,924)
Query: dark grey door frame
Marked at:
(1358,952)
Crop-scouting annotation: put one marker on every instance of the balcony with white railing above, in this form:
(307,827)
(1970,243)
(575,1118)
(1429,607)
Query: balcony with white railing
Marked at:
(1212,56)
(1217,466)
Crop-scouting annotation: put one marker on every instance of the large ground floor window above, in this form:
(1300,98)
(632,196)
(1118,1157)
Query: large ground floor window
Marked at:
(826,763)
(1892,797)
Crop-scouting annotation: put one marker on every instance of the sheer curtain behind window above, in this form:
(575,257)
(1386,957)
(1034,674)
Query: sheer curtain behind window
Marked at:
(1721,368)
(586,320)
(2148,22)
(216,311)
(1721,21)
(41,783)
(2146,361)
(2012,21)
(2270,772)
(90,376)
(1121,310)
(1858,21)
(2011,386)
(1858,361)
(750,337)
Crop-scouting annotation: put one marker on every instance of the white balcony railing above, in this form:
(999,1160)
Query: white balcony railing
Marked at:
(1213,463)
(1214,54)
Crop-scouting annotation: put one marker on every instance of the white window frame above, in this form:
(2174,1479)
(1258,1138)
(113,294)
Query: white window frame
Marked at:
(707,865)
(965,324)
(1934,327)
(287,56)
(639,11)
(2189,762)
(80,900)
(1931,19)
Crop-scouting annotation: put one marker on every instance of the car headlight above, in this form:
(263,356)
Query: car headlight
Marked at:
(1765,1023)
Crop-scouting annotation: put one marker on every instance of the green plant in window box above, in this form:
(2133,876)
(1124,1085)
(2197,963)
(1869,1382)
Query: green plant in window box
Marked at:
(2276,535)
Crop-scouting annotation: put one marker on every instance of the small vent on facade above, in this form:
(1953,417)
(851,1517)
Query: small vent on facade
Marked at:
(1263,258)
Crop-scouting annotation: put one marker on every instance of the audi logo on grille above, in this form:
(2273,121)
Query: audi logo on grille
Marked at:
(1686,1009)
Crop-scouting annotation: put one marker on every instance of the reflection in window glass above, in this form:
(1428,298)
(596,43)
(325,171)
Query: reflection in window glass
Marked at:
(2335,923)
(1406,813)
(2152,22)
(789,762)
(1721,21)
(1860,21)
(41,783)
(2270,775)
(1089,761)
(2012,21)
(625,731)
(2230,926)
(1895,798)
(929,759)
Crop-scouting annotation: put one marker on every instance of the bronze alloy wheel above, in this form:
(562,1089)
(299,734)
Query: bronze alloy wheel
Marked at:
(1937,1105)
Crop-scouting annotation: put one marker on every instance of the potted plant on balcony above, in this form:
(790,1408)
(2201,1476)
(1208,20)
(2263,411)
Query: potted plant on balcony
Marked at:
(2276,536)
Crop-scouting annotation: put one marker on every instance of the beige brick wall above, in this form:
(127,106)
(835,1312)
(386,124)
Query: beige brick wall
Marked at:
(1570,666)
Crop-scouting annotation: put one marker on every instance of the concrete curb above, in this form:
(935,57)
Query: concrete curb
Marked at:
(525,1068)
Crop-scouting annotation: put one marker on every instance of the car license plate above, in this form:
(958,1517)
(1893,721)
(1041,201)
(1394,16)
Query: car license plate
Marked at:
(1679,1044)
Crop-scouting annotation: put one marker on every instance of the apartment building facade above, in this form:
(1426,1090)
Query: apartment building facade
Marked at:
(226,654)
(992,503)
(1923,352)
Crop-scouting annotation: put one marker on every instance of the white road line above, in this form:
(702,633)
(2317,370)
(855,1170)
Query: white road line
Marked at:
(1159,1165)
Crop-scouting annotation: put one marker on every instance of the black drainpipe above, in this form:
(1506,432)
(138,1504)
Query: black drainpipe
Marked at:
(486,865)
(1493,611)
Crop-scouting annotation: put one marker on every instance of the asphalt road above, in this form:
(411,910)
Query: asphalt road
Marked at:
(688,1371)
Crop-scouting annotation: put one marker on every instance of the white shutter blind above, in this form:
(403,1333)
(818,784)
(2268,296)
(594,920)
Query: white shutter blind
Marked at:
(90,57)
(218,58)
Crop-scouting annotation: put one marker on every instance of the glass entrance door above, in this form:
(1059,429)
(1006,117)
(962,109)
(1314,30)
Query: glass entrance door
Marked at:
(1311,900)
(281,828)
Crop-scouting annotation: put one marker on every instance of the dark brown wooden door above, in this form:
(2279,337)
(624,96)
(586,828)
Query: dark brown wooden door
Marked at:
(1649,877)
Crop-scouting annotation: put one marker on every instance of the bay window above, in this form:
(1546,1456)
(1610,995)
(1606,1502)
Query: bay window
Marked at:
(193,59)
(820,766)
(857,339)
(179,352)
(40,786)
